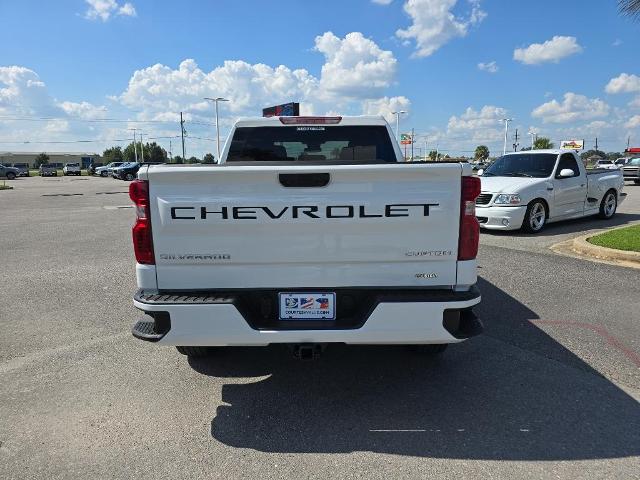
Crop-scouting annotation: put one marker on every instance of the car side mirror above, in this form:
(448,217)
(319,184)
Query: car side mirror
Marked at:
(566,172)
(480,171)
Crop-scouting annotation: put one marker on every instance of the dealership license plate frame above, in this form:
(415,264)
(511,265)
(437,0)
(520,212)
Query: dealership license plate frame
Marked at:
(312,314)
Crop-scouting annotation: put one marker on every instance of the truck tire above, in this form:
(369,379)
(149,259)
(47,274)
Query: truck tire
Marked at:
(608,205)
(535,217)
(194,351)
(11,176)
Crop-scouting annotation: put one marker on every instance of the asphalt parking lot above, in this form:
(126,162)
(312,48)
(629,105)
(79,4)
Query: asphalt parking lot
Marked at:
(551,390)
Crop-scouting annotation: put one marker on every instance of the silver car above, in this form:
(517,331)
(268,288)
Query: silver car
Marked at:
(10,172)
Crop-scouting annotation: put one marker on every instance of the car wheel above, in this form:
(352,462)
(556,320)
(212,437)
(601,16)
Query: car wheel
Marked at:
(103,174)
(535,217)
(637,182)
(195,351)
(608,205)
(11,176)
(128,177)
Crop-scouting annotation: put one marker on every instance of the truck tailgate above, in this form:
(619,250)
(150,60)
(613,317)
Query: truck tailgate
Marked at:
(238,226)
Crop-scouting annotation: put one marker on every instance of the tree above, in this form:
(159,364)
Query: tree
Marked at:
(542,143)
(178,159)
(630,8)
(129,153)
(208,158)
(113,154)
(613,155)
(482,152)
(432,155)
(41,159)
(193,160)
(154,153)
(591,153)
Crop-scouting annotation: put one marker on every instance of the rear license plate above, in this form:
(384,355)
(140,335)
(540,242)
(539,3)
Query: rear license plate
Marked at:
(307,306)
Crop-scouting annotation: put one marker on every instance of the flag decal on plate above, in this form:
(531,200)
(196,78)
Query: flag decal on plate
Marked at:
(307,306)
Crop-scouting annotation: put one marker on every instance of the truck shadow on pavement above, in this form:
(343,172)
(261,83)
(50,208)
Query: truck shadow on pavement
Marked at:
(578,226)
(513,393)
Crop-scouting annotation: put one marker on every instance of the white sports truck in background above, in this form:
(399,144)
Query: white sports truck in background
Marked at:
(529,189)
(311,230)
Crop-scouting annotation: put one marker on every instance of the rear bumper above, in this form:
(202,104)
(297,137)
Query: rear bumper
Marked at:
(501,218)
(398,317)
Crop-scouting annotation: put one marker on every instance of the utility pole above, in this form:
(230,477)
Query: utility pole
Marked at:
(184,160)
(412,142)
(397,114)
(216,100)
(135,147)
(506,130)
(596,144)
(516,144)
(628,142)
(141,148)
(426,152)
(170,155)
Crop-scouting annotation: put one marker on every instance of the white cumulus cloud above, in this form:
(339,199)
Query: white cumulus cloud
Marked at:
(552,50)
(382,2)
(477,125)
(385,106)
(434,24)
(105,9)
(354,66)
(573,108)
(491,67)
(633,122)
(623,83)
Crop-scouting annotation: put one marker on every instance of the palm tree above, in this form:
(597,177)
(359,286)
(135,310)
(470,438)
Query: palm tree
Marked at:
(542,143)
(630,8)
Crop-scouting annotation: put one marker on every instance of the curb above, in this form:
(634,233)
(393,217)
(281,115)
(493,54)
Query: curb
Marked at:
(579,247)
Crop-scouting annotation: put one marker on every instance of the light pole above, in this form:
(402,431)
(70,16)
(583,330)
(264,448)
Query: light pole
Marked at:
(533,134)
(397,114)
(216,100)
(141,149)
(506,129)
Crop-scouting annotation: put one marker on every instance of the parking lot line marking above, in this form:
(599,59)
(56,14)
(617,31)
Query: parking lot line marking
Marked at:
(108,193)
(61,194)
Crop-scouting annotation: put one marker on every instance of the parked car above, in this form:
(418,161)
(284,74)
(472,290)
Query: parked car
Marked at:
(527,190)
(606,164)
(72,169)
(23,168)
(127,172)
(48,170)
(106,170)
(9,172)
(631,171)
(621,162)
(91,169)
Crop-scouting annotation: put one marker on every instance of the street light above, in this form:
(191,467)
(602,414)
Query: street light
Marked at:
(397,114)
(533,135)
(135,148)
(216,100)
(506,129)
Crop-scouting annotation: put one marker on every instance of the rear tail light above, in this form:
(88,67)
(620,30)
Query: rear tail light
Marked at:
(142,239)
(469,227)
(310,120)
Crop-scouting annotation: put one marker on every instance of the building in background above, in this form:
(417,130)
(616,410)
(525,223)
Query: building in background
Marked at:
(84,158)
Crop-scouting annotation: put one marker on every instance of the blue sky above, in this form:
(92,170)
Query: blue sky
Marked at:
(78,64)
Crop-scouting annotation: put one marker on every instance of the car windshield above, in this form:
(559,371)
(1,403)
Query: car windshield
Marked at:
(634,161)
(539,165)
(605,162)
(72,164)
(317,143)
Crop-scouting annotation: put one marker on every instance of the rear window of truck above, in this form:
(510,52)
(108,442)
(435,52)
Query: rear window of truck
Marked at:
(316,143)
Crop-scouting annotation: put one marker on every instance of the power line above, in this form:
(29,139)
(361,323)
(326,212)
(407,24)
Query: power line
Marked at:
(98,120)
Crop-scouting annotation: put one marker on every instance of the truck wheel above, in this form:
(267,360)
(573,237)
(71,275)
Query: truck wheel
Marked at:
(11,176)
(129,177)
(535,217)
(608,205)
(194,351)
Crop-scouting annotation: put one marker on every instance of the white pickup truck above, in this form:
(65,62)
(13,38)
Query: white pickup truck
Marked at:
(311,230)
(529,189)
